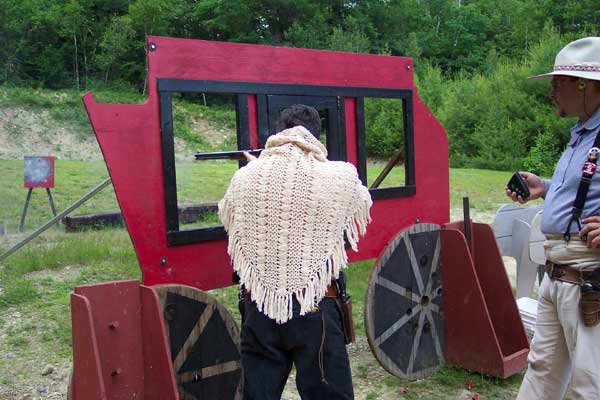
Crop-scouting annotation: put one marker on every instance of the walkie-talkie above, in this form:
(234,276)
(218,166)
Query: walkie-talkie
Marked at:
(517,184)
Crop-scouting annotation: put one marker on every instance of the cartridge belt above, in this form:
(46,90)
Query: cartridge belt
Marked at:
(566,273)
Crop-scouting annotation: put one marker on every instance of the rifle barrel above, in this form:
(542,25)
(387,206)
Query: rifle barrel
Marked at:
(225,155)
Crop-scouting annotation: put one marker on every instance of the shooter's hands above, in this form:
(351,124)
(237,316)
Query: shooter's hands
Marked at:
(249,157)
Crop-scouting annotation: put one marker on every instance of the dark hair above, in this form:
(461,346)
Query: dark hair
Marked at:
(300,114)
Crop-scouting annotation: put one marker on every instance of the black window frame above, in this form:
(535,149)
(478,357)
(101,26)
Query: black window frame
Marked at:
(242,90)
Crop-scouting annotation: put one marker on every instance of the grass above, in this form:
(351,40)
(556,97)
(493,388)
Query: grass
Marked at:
(36,281)
(485,188)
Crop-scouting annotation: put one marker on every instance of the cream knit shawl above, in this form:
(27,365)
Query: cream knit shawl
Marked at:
(286,214)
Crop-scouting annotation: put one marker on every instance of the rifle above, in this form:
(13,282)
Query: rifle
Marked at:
(224,155)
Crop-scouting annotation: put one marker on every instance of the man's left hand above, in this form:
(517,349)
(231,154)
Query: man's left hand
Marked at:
(592,230)
(249,157)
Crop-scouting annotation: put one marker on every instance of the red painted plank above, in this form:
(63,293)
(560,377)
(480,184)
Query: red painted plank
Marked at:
(200,59)
(483,328)
(350,122)
(116,314)
(252,122)
(499,298)
(468,330)
(86,382)
(159,379)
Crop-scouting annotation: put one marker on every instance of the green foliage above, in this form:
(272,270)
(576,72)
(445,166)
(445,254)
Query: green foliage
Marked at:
(115,43)
(546,148)
(502,120)
(383,126)
(72,43)
(431,85)
(344,40)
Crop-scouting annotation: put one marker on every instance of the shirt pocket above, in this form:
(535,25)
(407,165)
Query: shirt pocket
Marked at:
(558,179)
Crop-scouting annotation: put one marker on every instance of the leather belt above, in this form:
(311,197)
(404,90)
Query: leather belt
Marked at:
(566,273)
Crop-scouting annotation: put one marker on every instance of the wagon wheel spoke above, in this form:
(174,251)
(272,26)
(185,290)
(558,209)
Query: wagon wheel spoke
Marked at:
(394,287)
(193,337)
(414,265)
(415,345)
(436,338)
(208,372)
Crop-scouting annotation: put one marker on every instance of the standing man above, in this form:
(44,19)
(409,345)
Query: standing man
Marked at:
(566,343)
(287,214)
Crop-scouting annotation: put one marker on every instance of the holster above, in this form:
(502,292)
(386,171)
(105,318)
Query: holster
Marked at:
(343,302)
(589,304)
(344,306)
(243,296)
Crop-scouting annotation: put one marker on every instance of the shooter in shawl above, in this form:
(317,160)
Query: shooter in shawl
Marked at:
(286,214)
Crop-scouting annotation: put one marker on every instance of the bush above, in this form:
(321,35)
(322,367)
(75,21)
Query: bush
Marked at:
(383,126)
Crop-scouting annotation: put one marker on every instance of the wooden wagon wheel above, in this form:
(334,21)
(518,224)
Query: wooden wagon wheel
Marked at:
(403,304)
(205,344)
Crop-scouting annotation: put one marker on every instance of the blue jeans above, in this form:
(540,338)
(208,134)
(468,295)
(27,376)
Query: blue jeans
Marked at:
(314,343)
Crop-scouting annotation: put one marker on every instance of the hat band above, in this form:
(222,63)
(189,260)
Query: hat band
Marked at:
(587,68)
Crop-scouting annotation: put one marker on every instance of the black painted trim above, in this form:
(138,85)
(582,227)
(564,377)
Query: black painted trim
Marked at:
(336,129)
(241,120)
(262,120)
(178,238)
(168,156)
(409,143)
(186,85)
(409,152)
(342,128)
(391,192)
(361,147)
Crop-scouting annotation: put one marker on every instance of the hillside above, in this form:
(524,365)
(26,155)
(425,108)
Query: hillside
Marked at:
(44,122)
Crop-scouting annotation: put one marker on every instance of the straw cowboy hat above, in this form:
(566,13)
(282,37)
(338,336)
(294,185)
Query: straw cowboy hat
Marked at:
(580,58)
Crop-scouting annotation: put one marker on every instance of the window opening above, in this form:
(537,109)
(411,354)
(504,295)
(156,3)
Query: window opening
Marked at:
(385,142)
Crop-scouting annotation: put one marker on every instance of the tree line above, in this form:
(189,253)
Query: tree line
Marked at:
(471,56)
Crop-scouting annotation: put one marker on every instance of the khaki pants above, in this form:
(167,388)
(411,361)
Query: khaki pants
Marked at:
(563,349)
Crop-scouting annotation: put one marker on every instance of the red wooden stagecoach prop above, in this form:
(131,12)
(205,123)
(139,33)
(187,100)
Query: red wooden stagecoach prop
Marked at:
(431,299)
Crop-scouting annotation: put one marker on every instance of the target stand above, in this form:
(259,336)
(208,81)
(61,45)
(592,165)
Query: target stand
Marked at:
(38,173)
(434,299)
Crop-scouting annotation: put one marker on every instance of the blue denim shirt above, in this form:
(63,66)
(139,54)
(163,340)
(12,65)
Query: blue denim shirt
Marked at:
(561,190)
